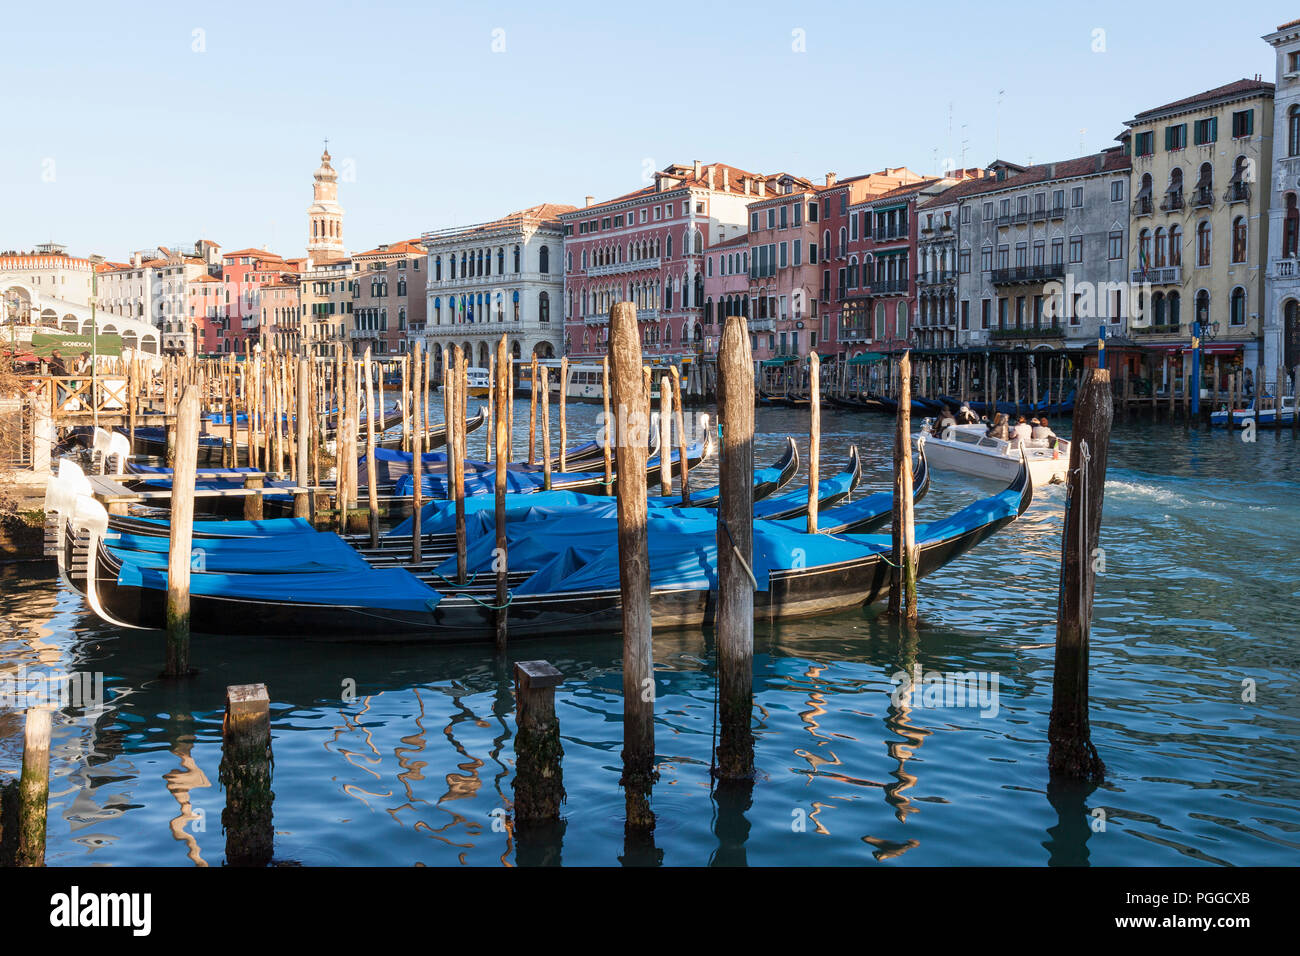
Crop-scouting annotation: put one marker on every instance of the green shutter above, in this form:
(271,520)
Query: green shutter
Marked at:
(1214,129)
(1169,138)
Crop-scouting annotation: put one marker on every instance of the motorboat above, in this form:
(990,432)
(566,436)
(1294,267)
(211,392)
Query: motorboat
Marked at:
(970,450)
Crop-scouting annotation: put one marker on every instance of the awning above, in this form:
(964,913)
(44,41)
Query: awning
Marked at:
(865,358)
(44,344)
(786,360)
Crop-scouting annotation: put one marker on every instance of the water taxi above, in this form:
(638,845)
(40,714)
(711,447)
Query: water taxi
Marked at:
(478,381)
(1275,415)
(969,450)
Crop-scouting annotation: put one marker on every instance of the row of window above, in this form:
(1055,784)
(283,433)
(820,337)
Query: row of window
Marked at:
(486,307)
(478,262)
(1204,132)
(660,212)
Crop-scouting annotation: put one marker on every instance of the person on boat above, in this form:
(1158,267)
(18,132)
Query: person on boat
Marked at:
(999,428)
(1042,430)
(944,422)
(1022,432)
(965,416)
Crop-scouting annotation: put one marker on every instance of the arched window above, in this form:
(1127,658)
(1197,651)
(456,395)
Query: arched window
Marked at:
(1144,249)
(501,260)
(544,260)
(584,265)
(543,306)
(844,241)
(1238,314)
(1293,131)
(668,247)
(708,310)
(401,285)
(1158,308)
(1291,225)
(437,268)
(1173,304)
(1239,235)
(1203,307)
(1175,245)
(1204,242)
(698,240)
(826,244)
(699,288)
(668,334)
(1162,248)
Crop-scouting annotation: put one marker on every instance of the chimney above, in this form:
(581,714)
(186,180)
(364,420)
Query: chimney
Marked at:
(830,179)
(1101,162)
(697,169)
(712,183)
(726,176)
(135,259)
(590,200)
(744,182)
(760,186)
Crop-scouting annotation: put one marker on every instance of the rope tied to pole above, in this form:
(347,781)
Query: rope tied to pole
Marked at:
(753,581)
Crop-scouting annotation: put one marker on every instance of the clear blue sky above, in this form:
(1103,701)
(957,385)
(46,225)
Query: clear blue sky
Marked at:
(153,143)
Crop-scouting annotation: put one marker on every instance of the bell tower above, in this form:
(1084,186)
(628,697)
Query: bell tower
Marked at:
(325,215)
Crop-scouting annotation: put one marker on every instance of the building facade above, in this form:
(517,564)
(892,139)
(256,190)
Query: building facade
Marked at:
(504,276)
(325,297)
(49,272)
(1040,252)
(647,247)
(388,297)
(246,272)
(1281,325)
(1201,168)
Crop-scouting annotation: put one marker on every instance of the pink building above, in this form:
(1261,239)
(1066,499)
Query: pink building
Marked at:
(648,247)
(244,272)
(726,291)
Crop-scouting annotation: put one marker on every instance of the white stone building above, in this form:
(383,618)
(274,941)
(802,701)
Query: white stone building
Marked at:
(494,277)
(1281,325)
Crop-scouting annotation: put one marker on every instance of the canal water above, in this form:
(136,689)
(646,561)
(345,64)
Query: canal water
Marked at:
(403,754)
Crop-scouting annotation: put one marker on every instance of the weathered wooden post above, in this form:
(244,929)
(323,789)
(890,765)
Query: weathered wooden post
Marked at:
(564,425)
(683,466)
(253,509)
(245,773)
(303,506)
(735,542)
(1071,753)
(372,479)
(546,427)
(633,408)
(609,429)
(814,437)
(665,435)
(460,385)
(181,534)
(532,413)
(902,577)
(502,458)
(406,403)
(28,799)
(417,469)
(539,776)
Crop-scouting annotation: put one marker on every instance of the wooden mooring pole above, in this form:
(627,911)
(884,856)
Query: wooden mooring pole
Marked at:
(814,437)
(902,574)
(23,802)
(1071,753)
(502,459)
(245,774)
(539,777)
(632,402)
(735,542)
(181,534)
(683,466)
(665,435)
(303,501)
(372,482)
(417,470)
(609,429)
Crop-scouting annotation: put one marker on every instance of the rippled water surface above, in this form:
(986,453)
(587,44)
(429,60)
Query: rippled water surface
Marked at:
(1196,602)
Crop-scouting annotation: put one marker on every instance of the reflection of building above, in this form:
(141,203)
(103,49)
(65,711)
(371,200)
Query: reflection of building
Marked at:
(1200,188)
(1281,325)
(388,297)
(501,276)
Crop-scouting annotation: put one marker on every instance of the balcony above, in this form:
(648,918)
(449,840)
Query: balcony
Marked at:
(856,333)
(1237,192)
(888,287)
(366,334)
(614,268)
(938,277)
(1020,218)
(885,235)
(1143,206)
(1172,202)
(1039,215)
(1002,221)
(1155,329)
(1162,275)
(1202,197)
(762,325)
(1023,275)
(1283,269)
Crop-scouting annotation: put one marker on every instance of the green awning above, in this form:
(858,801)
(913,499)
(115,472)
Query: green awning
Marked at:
(865,358)
(784,360)
(71,346)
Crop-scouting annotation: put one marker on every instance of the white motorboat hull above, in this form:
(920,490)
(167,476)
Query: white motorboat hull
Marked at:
(993,459)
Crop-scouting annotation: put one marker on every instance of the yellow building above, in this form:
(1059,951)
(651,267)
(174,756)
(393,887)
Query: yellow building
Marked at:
(1199,218)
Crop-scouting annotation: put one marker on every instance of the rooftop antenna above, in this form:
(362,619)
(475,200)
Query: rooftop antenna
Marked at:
(1081,133)
(964,144)
(997,126)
